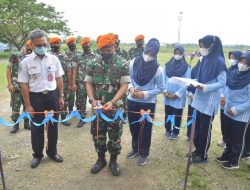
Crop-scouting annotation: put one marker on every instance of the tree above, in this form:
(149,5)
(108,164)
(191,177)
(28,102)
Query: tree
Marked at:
(19,17)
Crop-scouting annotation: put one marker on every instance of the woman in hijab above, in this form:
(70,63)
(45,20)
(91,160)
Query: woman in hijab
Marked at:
(212,75)
(174,94)
(237,112)
(233,56)
(146,82)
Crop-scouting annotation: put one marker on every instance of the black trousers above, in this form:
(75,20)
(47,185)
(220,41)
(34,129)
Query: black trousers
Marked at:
(224,128)
(141,132)
(190,113)
(202,137)
(235,143)
(169,110)
(41,102)
(247,141)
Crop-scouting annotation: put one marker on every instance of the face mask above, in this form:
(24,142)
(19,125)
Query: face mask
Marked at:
(200,58)
(204,51)
(55,48)
(139,44)
(40,50)
(177,57)
(147,58)
(242,67)
(86,49)
(72,46)
(106,56)
(232,62)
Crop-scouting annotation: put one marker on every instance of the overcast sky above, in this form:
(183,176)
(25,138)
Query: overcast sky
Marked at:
(230,20)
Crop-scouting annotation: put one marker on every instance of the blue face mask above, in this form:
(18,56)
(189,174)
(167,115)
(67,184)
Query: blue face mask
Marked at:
(41,50)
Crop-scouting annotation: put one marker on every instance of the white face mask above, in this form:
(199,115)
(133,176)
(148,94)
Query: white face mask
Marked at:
(232,62)
(242,67)
(204,51)
(147,58)
(177,57)
(200,58)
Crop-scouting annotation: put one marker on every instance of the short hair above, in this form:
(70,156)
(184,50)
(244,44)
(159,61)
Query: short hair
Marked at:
(37,34)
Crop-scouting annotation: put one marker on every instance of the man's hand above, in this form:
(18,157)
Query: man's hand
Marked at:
(108,106)
(30,110)
(73,87)
(61,103)
(11,88)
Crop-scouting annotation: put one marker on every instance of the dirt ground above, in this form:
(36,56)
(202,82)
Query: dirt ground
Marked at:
(165,169)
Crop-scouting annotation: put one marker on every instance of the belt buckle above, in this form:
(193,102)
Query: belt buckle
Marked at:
(45,92)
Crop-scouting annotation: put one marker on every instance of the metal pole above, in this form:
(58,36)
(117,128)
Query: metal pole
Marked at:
(1,171)
(189,154)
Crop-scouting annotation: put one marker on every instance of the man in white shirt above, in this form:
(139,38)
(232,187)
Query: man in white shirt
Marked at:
(41,81)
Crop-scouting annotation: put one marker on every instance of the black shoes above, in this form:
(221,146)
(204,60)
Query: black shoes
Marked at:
(99,165)
(114,168)
(15,128)
(26,124)
(80,124)
(35,162)
(57,158)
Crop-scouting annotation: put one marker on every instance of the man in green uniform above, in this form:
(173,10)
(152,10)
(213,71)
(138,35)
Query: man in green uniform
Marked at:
(81,93)
(107,80)
(55,44)
(15,90)
(72,59)
(138,50)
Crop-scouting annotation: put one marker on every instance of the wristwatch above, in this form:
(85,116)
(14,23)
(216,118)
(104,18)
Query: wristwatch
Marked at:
(62,95)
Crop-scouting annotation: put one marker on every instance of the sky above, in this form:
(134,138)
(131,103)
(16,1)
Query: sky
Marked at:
(228,19)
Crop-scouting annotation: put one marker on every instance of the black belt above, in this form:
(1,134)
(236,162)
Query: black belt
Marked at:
(45,92)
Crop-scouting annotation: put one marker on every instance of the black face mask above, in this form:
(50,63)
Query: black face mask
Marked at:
(86,49)
(29,51)
(106,56)
(55,48)
(72,46)
(139,44)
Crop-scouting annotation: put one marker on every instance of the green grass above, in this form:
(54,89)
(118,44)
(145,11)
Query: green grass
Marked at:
(3,79)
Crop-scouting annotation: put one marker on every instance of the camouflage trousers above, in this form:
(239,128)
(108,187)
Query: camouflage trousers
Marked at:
(15,103)
(66,102)
(81,99)
(71,100)
(99,134)
(125,106)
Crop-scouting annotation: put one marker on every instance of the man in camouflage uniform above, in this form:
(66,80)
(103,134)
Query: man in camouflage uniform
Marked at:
(81,93)
(15,90)
(138,50)
(107,80)
(72,59)
(124,54)
(55,44)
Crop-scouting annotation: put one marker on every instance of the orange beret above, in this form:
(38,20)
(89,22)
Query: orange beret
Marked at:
(98,38)
(116,36)
(29,43)
(70,40)
(85,41)
(105,40)
(139,37)
(55,40)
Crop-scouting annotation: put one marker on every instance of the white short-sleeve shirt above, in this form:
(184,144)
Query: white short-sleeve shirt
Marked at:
(40,74)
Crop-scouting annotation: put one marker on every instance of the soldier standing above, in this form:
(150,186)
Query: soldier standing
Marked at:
(15,90)
(138,50)
(107,80)
(55,44)
(81,93)
(72,60)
